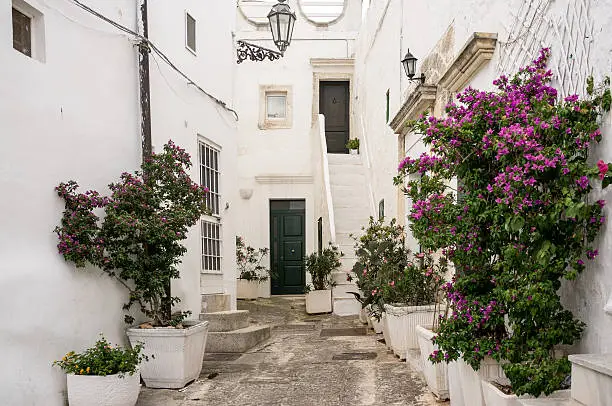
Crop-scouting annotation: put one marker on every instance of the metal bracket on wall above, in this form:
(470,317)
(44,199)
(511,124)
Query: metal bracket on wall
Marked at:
(255,53)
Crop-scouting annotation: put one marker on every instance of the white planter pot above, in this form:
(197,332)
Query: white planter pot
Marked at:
(471,381)
(402,321)
(363,316)
(455,391)
(436,375)
(247,289)
(178,354)
(495,397)
(354,151)
(319,301)
(385,330)
(376,325)
(110,390)
(592,378)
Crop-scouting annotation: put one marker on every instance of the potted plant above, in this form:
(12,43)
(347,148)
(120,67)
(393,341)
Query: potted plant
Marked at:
(320,267)
(103,375)
(520,222)
(252,273)
(138,243)
(353,146)
(410,295)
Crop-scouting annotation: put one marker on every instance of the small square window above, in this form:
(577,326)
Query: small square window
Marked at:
(276,106)
(190,32)
(22,32)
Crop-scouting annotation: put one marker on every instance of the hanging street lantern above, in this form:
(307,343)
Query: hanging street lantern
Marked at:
(409,63)
(282,21)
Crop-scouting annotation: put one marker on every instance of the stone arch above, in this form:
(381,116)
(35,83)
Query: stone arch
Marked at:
(317,12)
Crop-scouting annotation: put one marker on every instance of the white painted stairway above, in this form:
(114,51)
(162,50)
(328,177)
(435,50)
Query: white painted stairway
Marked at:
(351,212)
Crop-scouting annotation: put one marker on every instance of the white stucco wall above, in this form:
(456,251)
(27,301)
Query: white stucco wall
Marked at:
(289,151)
(76,116)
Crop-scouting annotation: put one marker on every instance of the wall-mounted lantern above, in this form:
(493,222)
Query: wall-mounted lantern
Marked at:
(282,21)
(409,63)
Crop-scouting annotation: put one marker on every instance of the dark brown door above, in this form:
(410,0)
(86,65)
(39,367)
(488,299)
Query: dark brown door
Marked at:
(287,246)
(334,100)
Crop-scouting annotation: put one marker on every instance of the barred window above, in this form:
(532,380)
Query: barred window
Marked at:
(211,246)
(209,175)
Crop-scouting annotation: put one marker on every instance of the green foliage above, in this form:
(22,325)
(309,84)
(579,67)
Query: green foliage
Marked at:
(320,267)
(103,359)
(138,242)
(353,143)
(524,221)
(248,260)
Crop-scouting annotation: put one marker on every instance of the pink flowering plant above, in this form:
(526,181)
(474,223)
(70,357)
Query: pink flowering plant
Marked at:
(137,241)
(520,222)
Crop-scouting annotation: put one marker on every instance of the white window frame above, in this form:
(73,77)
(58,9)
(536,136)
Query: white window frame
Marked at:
(271,123)
(208,253)
(37,29)
(195,33)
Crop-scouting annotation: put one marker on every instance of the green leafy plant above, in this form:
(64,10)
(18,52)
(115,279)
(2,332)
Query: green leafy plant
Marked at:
(103,359)
(248,260)
(353,143)
(518,223)
(320,267)
(138,241)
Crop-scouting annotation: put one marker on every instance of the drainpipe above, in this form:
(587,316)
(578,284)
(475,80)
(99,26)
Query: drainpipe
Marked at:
(145,84)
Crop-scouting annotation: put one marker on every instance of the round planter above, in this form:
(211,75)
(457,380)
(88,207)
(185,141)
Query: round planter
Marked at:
(247,289)
(319,301)
(354,151)
(376,325)
(402,322)
(363,316)
(436,375)
(110,390)
(175,355)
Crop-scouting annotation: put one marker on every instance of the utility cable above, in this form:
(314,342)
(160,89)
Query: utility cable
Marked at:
(155,49)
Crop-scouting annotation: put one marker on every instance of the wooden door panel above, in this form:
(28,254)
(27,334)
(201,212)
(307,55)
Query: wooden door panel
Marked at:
(334,99)
(288,244)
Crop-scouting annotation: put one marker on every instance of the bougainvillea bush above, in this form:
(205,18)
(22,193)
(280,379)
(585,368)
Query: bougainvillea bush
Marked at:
(138,240)
(521,222)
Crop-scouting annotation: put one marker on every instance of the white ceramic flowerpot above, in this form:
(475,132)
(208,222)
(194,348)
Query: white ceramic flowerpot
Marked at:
(363,316)
(402,322)
(319,301)
(436,375)
(247,289)
(175,355)
(385,330)
(354,151)
(470,381)
(495,397)
(110,390)
(376,324)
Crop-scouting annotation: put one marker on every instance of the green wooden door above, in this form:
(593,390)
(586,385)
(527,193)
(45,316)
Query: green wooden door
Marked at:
(287,246)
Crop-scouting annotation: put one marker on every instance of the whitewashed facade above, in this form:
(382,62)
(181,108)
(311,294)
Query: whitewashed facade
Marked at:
(71,111)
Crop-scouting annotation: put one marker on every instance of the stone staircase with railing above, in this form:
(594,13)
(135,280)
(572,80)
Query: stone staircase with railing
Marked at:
(351,212)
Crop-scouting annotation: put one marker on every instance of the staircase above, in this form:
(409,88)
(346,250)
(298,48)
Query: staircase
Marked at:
(229,330)
(351,212)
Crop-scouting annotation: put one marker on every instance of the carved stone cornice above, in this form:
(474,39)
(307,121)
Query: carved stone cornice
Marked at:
(476,52)
(284,179)
(422,99)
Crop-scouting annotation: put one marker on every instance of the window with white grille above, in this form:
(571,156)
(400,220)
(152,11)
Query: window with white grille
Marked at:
(209,175)
(212,241)
(211,246)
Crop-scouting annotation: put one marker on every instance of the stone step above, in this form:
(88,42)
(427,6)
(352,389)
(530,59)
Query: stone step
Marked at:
(347,179)
(343,169)
(347,263)
(217,302)
(341,290)
(339,277)
(226,321)
(343,159)
(239,340)
(346,306)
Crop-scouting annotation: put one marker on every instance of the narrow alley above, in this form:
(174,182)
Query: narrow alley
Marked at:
(309,360)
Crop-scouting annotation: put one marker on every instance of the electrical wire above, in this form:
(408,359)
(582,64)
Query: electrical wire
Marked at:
(155,49)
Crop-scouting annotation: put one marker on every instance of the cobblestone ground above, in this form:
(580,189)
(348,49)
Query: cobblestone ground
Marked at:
(296,366)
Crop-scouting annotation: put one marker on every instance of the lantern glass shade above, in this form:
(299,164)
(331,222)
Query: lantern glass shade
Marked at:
(282,20)
(409,63)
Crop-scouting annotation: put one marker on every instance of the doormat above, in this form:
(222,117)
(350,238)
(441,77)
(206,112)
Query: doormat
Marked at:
(221,356)
(347,332)
(354,356)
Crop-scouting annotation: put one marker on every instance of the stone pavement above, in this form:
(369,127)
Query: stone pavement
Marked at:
(301,364)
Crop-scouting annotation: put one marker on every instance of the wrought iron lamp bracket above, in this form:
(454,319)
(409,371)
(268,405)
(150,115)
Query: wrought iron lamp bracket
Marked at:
(246,50)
